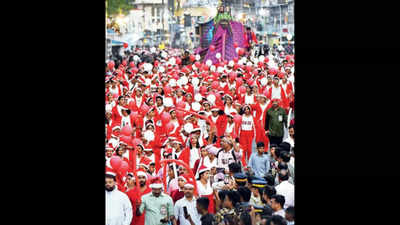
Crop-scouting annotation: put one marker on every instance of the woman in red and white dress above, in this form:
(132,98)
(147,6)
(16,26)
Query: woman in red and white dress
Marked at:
(231,128)
(249,97)
(207,108)
(204,187)
(176,122)
(229,108)
(194,148)
(247,131)
(201,161)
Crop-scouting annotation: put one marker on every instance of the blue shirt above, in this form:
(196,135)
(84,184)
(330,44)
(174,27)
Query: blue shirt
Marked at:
(259,164)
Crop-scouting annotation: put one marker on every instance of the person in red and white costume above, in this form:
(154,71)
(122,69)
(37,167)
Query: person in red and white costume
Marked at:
(117,110)
(247,131)
(261,108)
(194,148)
(109,154)
(204,187)
(127,120)
(219,120)
(114,139)
(179,96)
(229,108)
(176,122)
(180,152)
(136,194)
(108,124)
(249,97)
(189,101)
(231,128)
(207,108)
(137,100)
(148,153)
(140,158)
(178,193)
(124,148)
(115,88)
(288,88)
(200,161)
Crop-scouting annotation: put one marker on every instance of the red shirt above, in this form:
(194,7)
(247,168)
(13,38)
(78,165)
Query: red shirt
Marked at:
(176,195)
(135,195)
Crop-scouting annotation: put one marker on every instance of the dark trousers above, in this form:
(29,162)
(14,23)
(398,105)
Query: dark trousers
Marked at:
(275,140)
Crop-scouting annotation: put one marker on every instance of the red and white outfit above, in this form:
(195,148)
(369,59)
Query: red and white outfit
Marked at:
(206,191)
(246,134)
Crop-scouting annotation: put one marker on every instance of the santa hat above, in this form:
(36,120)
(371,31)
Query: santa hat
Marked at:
(189,183)
(275,100)
(140,145)
(184,177)
(110,147)
(187,117)
(116,127)
(246,106)
(148,150)
(203,169)
(141,172)
(156,183)
(206,102)
(195,130)
(149,124)
(110,171)
(145,162)
(229,96)
(215,108)
(261,95)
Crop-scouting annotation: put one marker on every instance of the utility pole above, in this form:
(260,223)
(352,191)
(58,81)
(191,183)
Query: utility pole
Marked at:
(280,20)
(162,15)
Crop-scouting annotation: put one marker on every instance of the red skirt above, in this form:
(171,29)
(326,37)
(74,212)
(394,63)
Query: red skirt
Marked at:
(211,208)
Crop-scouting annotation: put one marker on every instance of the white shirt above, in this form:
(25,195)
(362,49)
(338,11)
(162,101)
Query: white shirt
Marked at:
(114,90)
(152,158)
(249,99)
(139,101)
(126,121)
(160,109)
(194,155)
(229,110)
(263,107)
(229,128)
(114,142)
(214,119)
(118,208)
(276,92)
(280,213)
(287,190)
(126,154)
(207,190)
(191,209)
(290,141)
(209,164)
(222,84)
(224,158)
(247,123)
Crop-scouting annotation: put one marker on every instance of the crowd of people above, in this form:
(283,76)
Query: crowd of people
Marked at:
(227,129)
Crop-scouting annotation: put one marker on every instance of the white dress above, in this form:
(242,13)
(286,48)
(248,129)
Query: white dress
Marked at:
(204,190)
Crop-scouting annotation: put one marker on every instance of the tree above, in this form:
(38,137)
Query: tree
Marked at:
(114,7)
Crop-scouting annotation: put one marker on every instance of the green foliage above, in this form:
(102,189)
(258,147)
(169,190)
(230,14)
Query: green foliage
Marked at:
(114,7)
